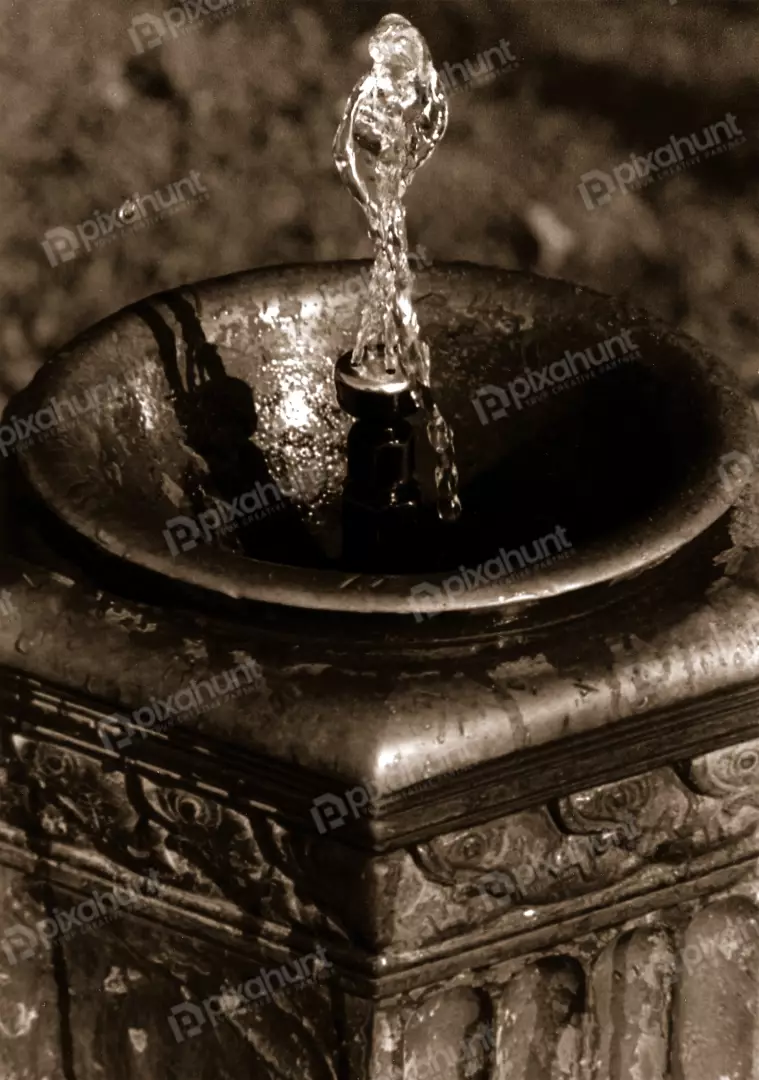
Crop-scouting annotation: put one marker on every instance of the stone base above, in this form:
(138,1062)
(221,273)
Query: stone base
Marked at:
(154,927)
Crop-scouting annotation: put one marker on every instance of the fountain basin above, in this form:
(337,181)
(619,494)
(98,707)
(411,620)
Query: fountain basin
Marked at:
(223,394)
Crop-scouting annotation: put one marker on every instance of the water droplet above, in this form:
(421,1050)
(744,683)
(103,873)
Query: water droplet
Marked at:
(126,211)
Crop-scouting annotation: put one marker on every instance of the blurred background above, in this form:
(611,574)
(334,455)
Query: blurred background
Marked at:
(99,101)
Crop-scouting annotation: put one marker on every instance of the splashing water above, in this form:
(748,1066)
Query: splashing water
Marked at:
(394,119)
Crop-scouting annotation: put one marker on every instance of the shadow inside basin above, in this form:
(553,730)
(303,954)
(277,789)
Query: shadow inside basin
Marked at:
(594,453)
(605,441)
(217,413)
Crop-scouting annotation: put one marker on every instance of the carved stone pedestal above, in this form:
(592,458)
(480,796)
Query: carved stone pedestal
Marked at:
(213,900)
(256,821)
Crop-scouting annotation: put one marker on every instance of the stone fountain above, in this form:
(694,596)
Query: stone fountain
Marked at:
(304,777)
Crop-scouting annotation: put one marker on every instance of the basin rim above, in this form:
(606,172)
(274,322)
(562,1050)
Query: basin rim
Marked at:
(245,579)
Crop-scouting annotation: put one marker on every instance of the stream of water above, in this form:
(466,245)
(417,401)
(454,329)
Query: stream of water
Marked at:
(394,119)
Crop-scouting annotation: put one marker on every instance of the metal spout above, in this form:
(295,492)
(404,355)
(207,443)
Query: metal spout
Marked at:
(381,497)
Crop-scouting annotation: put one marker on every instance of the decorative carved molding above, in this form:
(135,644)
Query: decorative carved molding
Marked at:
(216,847)
(213,846)
(588,845)
(73,798)
(731,774)
(195,843)
(614,996)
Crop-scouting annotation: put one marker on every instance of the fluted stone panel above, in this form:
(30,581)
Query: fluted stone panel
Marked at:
(30,1029)
(631,1001)
(715,1025)
(539,1021)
